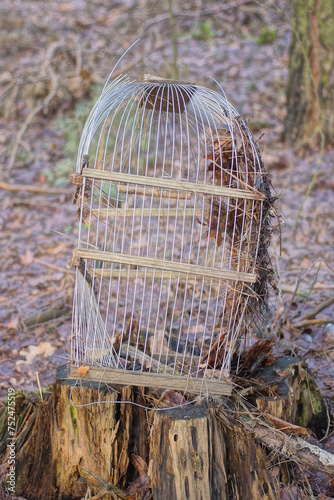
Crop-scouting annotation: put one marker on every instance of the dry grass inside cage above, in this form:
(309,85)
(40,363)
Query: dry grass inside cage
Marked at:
(174,216)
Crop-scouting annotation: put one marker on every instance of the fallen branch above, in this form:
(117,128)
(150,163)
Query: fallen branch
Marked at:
(53,267)
(312,322)
(295,448)
(106,487)
(40,106)
(291,447)
(47,315)
(285,426)
(33,189)
(318,309)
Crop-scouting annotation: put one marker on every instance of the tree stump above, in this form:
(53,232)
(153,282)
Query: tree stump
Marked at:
(297,399)
(86,434)
(193,456)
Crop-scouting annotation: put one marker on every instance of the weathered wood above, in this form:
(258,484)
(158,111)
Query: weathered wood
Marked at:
(192,187)
(32,447)
(165,265)
(147,212)
(247,465)
(94,435)
(147,379)
(209,450)
(194,456)
(293,447)
(297,399)
(187,455)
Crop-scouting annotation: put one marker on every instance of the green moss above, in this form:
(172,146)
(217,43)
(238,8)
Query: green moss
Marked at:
(267,36)
(311,409)
(74,416)
(203,31)
(251,86)
(70,126)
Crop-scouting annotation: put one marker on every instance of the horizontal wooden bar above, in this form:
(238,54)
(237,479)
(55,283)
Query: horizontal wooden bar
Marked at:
(106,273)
(156,193)
(147,212)
(141,357)
(165,265)
(146,379)
(199,188)
(137,274)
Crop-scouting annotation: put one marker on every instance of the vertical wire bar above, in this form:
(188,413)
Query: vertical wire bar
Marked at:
(146,224)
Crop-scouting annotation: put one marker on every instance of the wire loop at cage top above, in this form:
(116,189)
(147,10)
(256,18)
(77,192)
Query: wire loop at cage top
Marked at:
(170,196)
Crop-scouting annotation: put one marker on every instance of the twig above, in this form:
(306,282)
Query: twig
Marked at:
(174,37)
(95,479)
(47,315)
(295,448)
(104,493)
(285,426)
(21,133)
(311,184)
(38,109)
(291,447)
(33,189)
(323,286)
(51,266)
(299,281)
(39,386)
(312,322)
(318,309)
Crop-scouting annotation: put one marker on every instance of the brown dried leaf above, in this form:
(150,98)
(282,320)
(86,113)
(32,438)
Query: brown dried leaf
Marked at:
(13,324)
(45,349)
(158,343)
(82,370)
(213,358)
(142,484)
(284,426)
(172,398)
(140,465)
(27,258)
(258,355)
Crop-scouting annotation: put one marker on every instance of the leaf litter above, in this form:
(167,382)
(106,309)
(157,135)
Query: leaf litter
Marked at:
(254,78)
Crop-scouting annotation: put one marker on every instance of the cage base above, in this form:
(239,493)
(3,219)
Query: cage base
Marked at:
(145,379)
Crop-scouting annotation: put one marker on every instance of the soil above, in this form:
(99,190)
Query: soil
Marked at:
(55,57)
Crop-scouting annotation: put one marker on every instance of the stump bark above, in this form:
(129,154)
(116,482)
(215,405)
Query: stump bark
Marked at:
(87,435)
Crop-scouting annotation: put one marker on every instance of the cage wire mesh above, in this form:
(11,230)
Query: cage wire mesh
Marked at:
(172,203)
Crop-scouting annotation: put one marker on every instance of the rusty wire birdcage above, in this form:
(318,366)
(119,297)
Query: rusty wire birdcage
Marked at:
(171,261)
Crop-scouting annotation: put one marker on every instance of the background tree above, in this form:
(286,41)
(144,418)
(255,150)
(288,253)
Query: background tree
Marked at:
(310,91)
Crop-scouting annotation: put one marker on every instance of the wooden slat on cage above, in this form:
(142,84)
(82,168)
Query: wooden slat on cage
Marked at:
(172,206)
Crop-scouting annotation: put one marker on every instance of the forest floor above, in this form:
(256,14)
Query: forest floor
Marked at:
(55,59)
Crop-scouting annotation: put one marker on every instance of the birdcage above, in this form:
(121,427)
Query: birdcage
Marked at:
(172,205)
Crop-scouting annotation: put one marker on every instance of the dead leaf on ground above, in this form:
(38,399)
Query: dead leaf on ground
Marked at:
(27,258)
(172,398)
(55,250)
(143,483)
(43,348)
(13,324)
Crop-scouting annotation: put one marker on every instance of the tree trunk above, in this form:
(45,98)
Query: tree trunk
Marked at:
(310,90)
(194,457)
(86,436)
